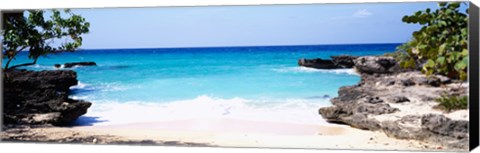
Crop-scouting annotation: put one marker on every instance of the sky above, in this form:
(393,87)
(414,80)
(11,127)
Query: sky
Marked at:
(261,25)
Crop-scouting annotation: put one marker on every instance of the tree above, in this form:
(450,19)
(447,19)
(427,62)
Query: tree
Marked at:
(37,35)
(441,45)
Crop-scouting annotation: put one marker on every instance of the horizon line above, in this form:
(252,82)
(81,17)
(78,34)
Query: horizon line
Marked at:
(239,46)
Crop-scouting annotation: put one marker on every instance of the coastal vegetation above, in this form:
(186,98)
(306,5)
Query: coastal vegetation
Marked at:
(440,46)
(452,102)
(61,32)
(40,97)
(411,93)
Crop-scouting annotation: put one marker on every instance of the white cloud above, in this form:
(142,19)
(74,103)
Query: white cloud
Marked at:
(362,13)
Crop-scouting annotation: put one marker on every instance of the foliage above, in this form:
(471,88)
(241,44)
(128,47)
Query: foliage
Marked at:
(406,60)
(440,46)
(37,34)
(453,102)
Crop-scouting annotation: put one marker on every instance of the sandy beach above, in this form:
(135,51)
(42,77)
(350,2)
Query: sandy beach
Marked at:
(222,133)
(354,77)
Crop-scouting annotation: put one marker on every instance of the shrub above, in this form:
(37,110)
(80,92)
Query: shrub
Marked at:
(452,102)
(440,46)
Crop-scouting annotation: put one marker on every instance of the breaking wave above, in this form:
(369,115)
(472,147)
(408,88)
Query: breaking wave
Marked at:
(207,107)
(312,70)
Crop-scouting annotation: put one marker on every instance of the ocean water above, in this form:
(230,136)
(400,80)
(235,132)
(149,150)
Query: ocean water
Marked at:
(249,83)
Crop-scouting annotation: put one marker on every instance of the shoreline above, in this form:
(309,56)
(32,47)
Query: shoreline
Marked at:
(206,107)
(372,120)
(402,103)
(231,134)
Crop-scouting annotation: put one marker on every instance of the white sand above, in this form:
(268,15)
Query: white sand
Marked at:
(242,133)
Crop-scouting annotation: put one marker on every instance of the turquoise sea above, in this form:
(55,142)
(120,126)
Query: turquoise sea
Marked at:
(250,83)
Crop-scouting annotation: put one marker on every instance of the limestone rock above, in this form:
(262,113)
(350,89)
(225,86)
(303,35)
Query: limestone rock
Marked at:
(41,97)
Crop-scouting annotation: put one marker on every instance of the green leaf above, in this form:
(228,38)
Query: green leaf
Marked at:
(442,49)
(454,5)
(441,60)
(461,65)
(408,63)
(463,75)
(429,63)
(464,52)
(465,60)
(442,4)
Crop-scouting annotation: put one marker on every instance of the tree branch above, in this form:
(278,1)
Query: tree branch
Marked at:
(20,50)
(20,65)
(8,63)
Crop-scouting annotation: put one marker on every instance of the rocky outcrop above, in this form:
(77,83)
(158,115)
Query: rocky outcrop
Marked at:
(70,65)
(317,63)
(376,64)
(400,103)
(41,97)
(444,126)
(344,61)
(337,62)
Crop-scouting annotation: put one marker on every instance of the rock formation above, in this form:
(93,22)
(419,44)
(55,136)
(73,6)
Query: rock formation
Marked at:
(70,65)
(337,62)
(40,97)
(374,64)
(344,61)
(400,103)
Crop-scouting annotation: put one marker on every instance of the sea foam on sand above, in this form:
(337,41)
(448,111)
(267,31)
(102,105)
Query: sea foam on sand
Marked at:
(206,107)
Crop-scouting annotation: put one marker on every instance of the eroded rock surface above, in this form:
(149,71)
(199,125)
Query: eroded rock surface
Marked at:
(41,97)
(336,62)
(400,103)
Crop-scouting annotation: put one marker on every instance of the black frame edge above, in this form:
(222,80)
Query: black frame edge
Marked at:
(473,13)
(1,76)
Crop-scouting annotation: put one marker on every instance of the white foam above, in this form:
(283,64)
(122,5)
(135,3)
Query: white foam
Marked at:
(300,69)
(113,87)
(289,111)
(80,85)
(102,86)
(38,66)
(79,97)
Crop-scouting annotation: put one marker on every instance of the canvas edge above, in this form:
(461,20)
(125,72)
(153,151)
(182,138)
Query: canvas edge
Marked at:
(474,64)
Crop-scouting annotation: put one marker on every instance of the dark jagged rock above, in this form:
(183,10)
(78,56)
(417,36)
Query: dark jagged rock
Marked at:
(344,61)
(434,81)
(317,63)
(407,82)
(442,125)
(429,127)
(373,100)
(70,65)
(362,121)
(403,128)
(399,103)
(376,64)
(399,99)
(41,97)
(333,114)
(337,62)
(376,109)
